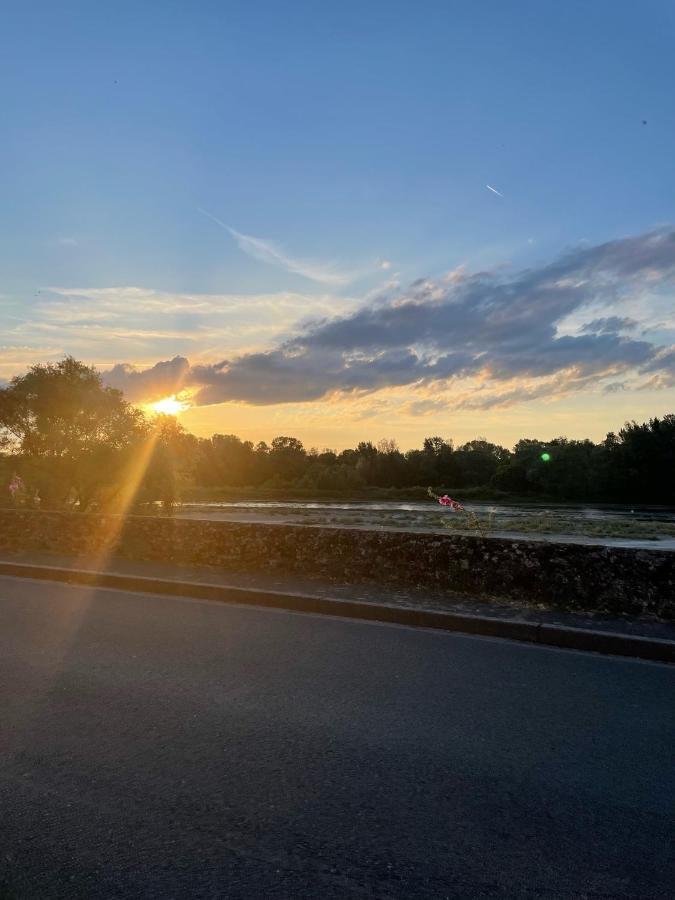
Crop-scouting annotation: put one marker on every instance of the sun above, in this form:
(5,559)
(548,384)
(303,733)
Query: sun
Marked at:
(169,406)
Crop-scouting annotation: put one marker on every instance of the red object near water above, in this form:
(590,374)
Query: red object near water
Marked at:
(450,503)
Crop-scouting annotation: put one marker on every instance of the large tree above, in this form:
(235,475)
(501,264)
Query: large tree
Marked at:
(71,438)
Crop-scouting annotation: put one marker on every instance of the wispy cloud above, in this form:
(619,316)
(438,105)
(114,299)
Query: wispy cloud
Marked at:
(272,253)
(137,324)
(14,359)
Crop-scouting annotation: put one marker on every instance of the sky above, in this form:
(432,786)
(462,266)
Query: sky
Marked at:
(346,221)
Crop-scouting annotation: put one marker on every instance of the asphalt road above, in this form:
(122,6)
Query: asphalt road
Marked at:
(168,748)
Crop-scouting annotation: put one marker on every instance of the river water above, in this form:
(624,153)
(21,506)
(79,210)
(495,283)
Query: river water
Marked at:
(612,525)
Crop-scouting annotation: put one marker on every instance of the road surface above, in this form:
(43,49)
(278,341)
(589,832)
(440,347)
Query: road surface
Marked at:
(161,747)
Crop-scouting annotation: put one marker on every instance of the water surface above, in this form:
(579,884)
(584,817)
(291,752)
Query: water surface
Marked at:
(612,525)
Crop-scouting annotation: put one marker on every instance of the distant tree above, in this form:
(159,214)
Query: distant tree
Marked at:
(388,467)
(570,470)
(477,462)
(440,457)
(327,457)
(72,438)
(224,459)
(421,468)
(287,457)
(639,463)
(522,472)
(366,450)
(434,446)
(171,464)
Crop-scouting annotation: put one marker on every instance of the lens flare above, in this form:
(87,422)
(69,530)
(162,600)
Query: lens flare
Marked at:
(546,457)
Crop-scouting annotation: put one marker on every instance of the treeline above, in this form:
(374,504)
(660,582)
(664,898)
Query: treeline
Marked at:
(66,440)
(637,464)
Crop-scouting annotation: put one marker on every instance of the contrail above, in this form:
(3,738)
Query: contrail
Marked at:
(214,219)
(274,254)
(495,191)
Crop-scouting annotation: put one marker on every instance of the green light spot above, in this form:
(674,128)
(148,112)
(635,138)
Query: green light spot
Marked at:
(546,457)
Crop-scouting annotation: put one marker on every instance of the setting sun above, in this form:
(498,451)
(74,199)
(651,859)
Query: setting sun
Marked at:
(169,406)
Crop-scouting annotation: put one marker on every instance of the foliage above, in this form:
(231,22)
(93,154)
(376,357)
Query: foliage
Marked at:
(170,465)
(635,465)
(71,437)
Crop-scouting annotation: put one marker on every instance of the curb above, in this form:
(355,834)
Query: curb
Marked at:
(605,642)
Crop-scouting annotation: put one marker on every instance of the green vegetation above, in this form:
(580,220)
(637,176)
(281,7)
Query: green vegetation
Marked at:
(73,442)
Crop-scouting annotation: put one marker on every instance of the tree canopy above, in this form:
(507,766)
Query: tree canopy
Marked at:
(70,436)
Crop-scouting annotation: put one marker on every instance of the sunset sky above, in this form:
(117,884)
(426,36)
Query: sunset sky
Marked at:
(346,221)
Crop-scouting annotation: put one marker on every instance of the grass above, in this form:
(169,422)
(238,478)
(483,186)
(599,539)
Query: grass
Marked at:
(577,527)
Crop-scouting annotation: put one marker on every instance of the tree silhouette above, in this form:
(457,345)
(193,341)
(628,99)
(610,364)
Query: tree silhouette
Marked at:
(71,437)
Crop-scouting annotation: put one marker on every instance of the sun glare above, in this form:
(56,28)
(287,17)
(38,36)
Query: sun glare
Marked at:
(169,406)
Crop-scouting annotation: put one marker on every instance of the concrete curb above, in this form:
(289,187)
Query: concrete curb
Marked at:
(609,643)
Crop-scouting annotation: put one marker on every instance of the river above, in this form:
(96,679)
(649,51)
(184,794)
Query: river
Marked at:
(612,525)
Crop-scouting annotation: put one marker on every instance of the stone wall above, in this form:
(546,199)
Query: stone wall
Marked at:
(567,576)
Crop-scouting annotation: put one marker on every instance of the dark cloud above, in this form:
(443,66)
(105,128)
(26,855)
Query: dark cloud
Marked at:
(610,325)
(502,327)
(283,376)
(164,378)
(663,360)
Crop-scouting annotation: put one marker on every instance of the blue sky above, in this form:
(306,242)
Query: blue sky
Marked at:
(355,140)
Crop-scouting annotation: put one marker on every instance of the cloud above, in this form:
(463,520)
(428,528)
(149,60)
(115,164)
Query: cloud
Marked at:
(427,407)
(14,359)
(270,252)
(161,380)
(503,327)
(663,364)
(609,325)
(664,360)
(498,329)
(140,325)
(658,382)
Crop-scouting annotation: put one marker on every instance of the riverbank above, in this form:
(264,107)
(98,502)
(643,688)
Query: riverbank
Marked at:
(611,525)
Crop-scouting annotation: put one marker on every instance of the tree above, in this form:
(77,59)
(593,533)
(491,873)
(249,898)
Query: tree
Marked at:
(439,455)
(71,437)
(287,458)
(640,462)
(224,459)
(434,446)
(171,464)
(477,462)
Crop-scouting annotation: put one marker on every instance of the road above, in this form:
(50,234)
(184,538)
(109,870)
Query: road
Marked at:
(162,747)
